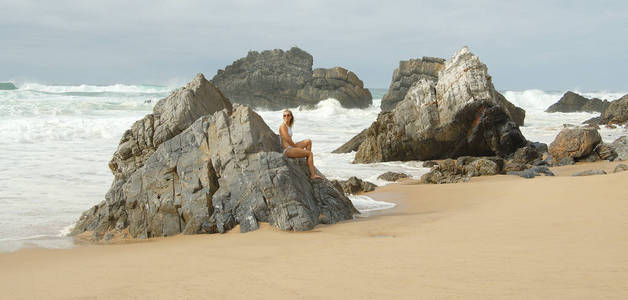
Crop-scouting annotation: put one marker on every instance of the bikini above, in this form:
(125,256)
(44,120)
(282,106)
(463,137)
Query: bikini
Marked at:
(281,142)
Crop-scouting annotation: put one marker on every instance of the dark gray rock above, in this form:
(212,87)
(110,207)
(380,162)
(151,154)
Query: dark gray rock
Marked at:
(572,102)
(353,144)
(353,185)
(575,143)
(277,79)
(224,169)
(590,172)
(392,176)
(620,145)
(617,112)
(409,72)
(438,120)
(620,168)
(526,155)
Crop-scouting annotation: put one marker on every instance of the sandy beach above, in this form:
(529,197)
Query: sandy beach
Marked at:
(502,237)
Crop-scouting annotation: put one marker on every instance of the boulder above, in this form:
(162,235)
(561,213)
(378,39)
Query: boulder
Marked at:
(575,143)
(353,185)
(460,114)
(225,169)
(620,145)
(620,168)
(7,86)
(617,112)
(572,102)
(595,121)
(392,176)
(277,79)
(409,72)
(590,172)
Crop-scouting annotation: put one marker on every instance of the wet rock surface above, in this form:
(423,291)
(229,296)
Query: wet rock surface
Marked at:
(392,176)
(277,79)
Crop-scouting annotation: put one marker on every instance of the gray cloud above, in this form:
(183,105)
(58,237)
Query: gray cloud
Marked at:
(533,44)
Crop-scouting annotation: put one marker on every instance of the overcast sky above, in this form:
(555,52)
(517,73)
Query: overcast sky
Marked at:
(551,45)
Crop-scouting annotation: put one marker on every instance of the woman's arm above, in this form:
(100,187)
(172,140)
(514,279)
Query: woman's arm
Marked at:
(283,131)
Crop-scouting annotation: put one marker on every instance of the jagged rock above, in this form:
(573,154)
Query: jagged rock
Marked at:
(482,167)
(277,79)
(446,171)
(572,102)
(617,112)
(620,145)
(170,116)
(620,168)
(409,72)
(392,176)
(575,143)
(353,185)
(605,151)
(590,172)
(353,144)
(458,115)
(511,166)
(224,169)
(7,86)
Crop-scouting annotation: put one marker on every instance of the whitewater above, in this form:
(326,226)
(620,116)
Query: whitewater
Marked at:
(57,142)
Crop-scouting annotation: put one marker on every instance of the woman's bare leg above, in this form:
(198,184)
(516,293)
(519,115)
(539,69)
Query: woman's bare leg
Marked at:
(305,144)
(298,153)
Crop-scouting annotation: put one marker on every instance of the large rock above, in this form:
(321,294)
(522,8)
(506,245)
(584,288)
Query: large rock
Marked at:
(170,117)
(225,169)
(617,112)
(574,143)
(460,114)
(572,102)
(620,145)
(409,72)
(277,79)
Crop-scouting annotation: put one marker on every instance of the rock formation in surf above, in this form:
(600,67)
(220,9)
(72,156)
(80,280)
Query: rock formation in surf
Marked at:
(459,114)
(427,68)
(572,102)
(617,112)
(277,79)
(197,164)
(576,143)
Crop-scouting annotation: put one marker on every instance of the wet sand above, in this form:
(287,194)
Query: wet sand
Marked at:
(494,237)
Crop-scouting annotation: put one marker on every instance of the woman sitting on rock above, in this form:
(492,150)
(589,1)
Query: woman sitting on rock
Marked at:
(292,149)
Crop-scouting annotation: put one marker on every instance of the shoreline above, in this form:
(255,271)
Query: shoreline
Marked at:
(493,237)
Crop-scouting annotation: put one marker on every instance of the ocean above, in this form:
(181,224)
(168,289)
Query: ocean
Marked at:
(57,141)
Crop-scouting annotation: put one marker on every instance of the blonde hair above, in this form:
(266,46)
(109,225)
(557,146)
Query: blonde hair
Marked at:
(291,116)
